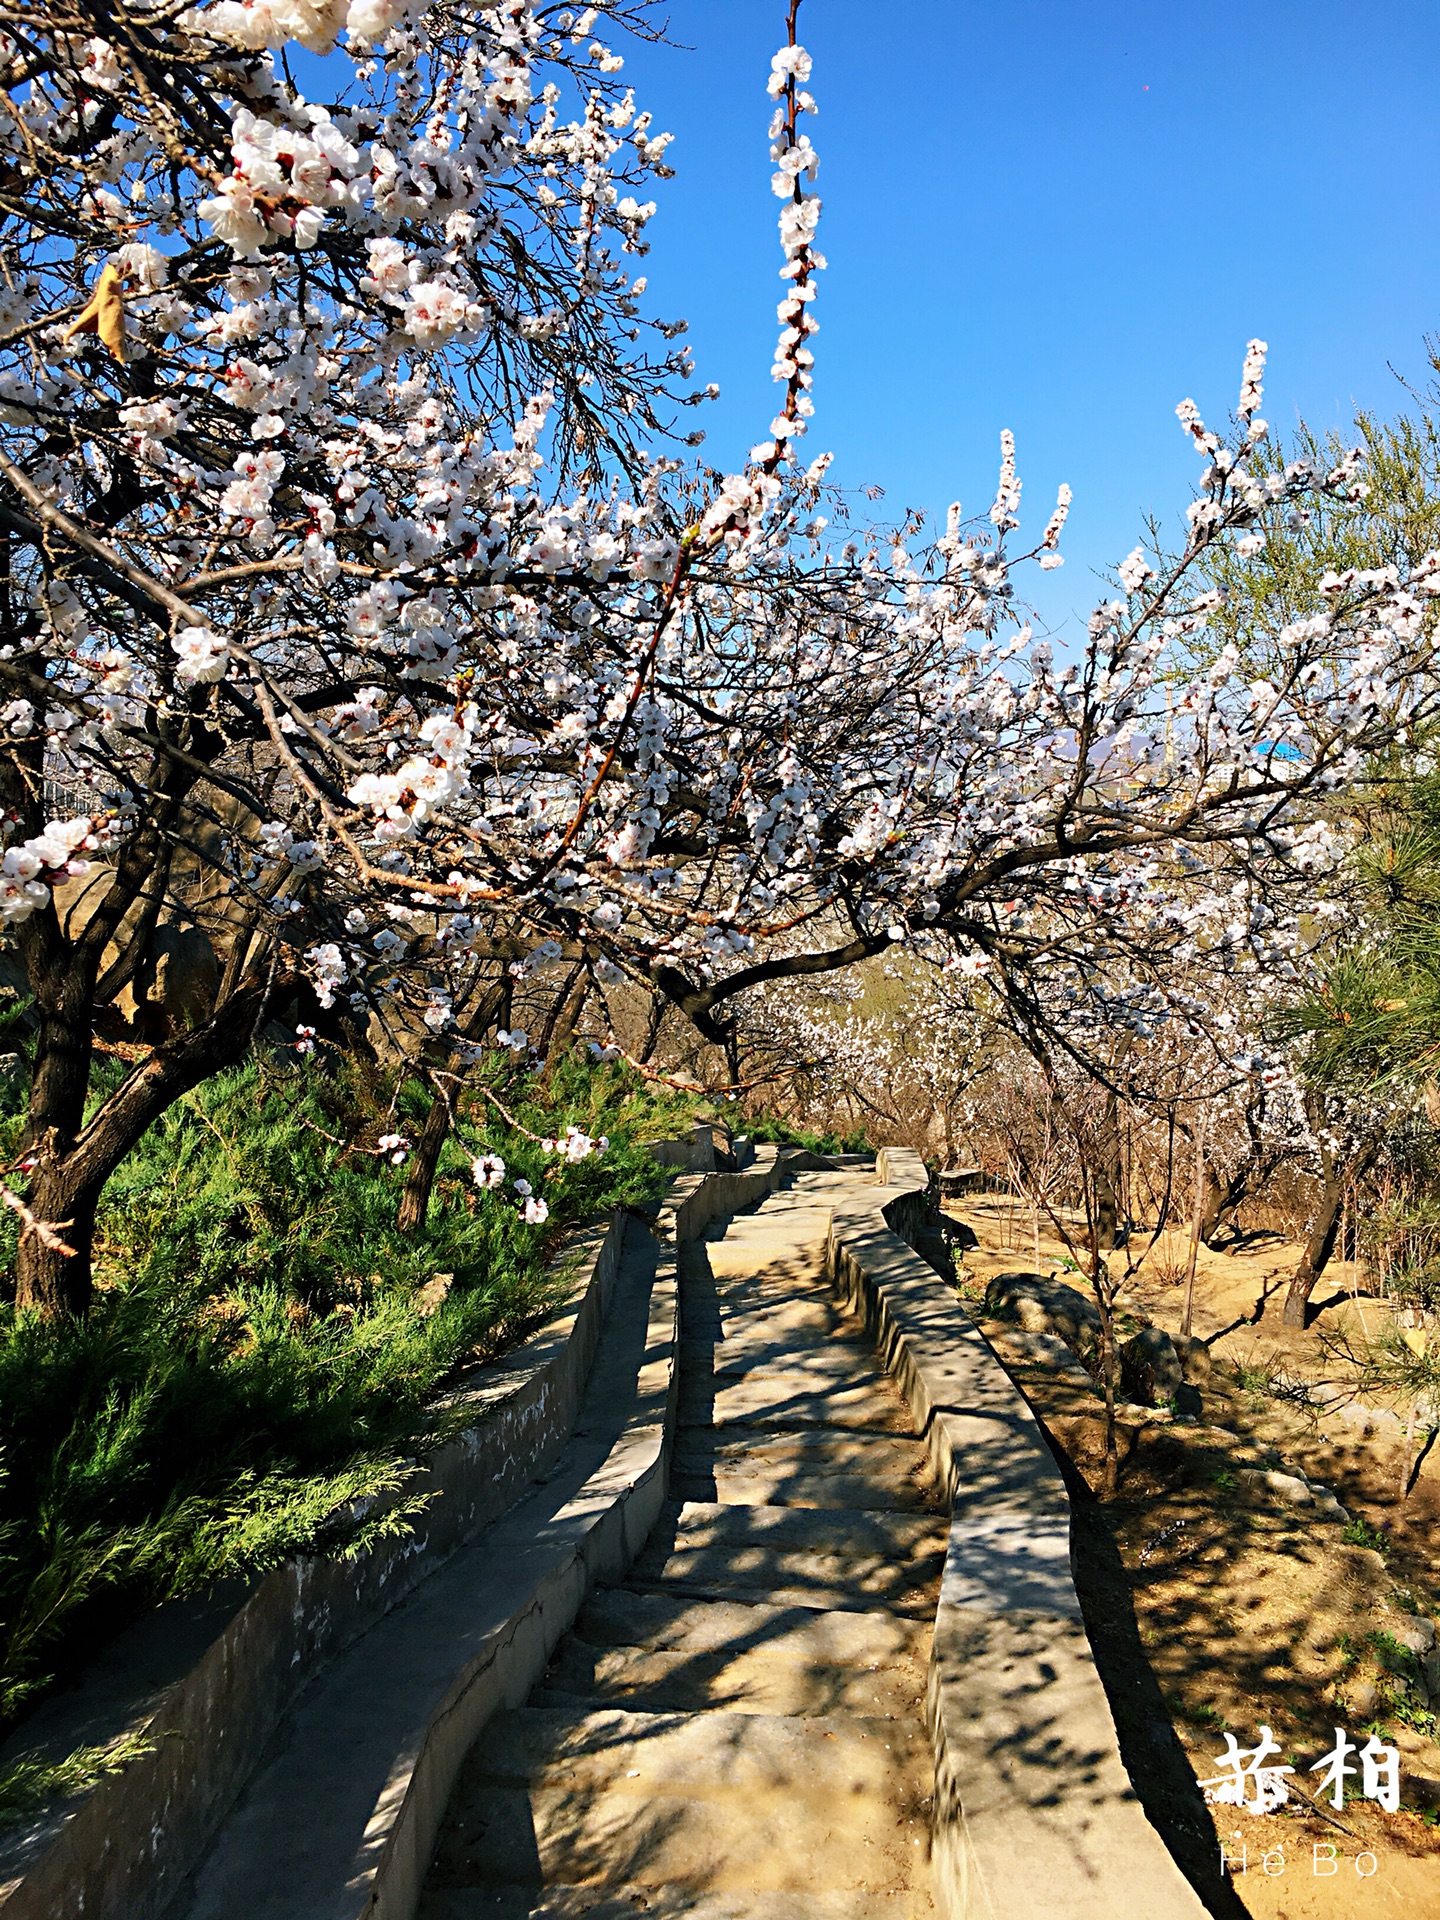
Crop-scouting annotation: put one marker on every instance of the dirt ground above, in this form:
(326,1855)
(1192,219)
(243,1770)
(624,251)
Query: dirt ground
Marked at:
(1227,1611)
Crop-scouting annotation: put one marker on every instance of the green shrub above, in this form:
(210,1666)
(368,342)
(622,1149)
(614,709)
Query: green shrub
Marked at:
(769,1126)
(1360,1533)
(260,1366)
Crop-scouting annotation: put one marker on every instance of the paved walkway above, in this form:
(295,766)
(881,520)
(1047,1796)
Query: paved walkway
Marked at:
(738,1732)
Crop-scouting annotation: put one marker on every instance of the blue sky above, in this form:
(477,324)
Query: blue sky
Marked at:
(1062,219)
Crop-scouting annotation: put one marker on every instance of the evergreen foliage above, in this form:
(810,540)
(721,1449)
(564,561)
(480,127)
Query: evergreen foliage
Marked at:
(265,1350)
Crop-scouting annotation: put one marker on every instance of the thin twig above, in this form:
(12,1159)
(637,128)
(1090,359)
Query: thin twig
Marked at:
(44,1230)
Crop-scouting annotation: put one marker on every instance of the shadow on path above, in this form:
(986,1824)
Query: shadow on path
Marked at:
(1157,1764)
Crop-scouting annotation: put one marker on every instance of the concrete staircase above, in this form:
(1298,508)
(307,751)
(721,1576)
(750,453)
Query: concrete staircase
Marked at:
(737,1732)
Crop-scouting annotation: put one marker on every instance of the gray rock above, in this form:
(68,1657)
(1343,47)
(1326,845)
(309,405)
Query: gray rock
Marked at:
(1043,1305)
(1150,1368)
(1430,1670)
(1052,1350)
(1364,1698)
(1414,1632)
(1194,1358)
(1323,1500)
(1269,1486)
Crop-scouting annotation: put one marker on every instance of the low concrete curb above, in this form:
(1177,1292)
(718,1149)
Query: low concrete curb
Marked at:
(594,1535)
(209,1683)
(1035,1817)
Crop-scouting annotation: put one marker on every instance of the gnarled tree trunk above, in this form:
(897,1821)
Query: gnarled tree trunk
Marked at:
(72,1161)
(1336,1176)
(1109,1173)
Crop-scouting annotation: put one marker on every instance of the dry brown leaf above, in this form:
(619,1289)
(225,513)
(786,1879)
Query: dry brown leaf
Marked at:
(105,313)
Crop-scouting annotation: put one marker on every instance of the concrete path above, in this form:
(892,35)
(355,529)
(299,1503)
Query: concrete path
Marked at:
(738,1732)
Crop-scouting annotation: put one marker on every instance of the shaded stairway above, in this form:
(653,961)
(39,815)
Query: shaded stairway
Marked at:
(738,1732)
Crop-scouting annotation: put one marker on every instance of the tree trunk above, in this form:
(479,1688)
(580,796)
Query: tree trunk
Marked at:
(424,1165)
(58,1284)
(49,1280)
(653,1022)
(1318,1249)
(559,1028)
(1336,1176)
(1202,1173)
(1108,1175)
(1215,1202)
(72,1163)
(425,1159)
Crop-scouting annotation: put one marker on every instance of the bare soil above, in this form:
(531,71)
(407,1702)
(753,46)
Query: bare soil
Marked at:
(1224,1614)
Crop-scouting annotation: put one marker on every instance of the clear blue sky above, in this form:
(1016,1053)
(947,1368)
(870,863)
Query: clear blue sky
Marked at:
(1062,219)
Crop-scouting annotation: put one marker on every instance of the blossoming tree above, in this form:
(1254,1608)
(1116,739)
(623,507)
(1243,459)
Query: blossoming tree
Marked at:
(351,581)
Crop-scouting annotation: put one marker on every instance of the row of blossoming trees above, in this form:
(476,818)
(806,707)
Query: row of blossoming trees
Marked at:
(365,606)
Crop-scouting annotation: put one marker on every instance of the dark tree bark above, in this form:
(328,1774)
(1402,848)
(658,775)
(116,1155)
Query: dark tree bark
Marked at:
(71,1162)
(1336,1175)
(1318,1249)
(425,1155)
(424,1165)
(1110,1183)
(559,1028)
(653,1024)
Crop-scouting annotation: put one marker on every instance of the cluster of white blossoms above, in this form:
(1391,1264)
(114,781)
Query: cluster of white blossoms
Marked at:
(489,1173)
(796,162)
(574,1145)
(29,869)
(380,521)
(315,24)
(202,656)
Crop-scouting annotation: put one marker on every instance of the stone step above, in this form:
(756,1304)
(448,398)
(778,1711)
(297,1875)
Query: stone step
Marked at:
(798,1672)
(836,1557)
(627,1903)
(809,1320)
(816,1467)
(882,1457)
(783,1488)
(612,1749)
(730,1360)
(805,1317)
(620,1617)
(790,1397)
(788,1209)
(795,1249)
(708,1802)
(773,1840)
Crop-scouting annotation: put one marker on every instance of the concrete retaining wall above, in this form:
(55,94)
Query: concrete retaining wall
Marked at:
(1035,1817)
(594,1536)
(123,1847)
(693,1154)
(208,1683)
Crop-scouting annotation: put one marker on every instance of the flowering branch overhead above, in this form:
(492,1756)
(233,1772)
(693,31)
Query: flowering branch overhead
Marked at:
(363,611)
